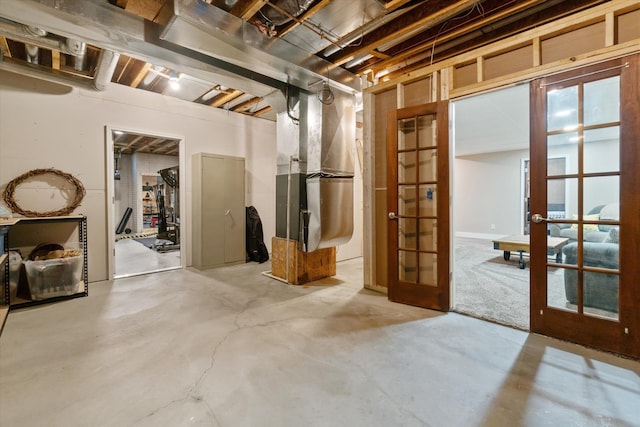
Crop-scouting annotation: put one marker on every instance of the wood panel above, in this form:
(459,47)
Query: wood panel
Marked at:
(303,267)
(573,43)
(519,59)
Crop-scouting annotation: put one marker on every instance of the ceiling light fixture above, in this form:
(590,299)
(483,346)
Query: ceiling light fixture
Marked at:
(174,80)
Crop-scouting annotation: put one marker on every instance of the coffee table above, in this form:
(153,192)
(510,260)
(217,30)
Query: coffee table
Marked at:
(520,244)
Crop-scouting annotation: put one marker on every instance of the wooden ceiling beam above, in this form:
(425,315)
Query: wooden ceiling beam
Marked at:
(466,25)
(247,104)
(262,111)
(395,4)
(222,99)
(245,9)
(306,15)
(424,17)
(148,9)
(173,151)
(134,141)
(542,11)
(141,75)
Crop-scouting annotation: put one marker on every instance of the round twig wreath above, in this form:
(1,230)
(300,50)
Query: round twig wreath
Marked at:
(13,184)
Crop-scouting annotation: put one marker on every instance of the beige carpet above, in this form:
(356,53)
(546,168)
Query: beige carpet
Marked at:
(488,287)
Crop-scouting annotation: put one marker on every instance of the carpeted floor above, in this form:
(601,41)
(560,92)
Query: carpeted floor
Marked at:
(488,287)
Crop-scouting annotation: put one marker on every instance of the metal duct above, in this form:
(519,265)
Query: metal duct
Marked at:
(275,16)
(330,169)
(320,200)
(108,27)
(104,71)
(32,53)
(35,38)
(216,33)
(78,49)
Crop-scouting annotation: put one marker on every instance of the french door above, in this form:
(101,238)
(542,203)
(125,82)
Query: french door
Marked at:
(418,203)
(592,294)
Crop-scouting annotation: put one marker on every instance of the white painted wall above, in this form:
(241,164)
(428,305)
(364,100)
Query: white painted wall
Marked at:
(487,188)
(44,124)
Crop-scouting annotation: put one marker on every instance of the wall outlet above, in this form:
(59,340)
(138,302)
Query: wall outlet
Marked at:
(493,226)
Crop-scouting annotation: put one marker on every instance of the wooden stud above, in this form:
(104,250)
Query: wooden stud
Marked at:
(435,85)
(480,69)
(400,95)
(537,52)
(610,29)
(5,47)
(55,59)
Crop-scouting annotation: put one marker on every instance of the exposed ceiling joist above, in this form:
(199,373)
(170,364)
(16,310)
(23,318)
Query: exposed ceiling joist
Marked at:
(432,14)
(222,99)
(306,15)
(245,9)
(246,104)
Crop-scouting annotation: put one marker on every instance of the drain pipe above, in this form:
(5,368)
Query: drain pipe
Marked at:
(291,160)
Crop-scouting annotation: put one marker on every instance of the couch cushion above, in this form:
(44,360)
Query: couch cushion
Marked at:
(592,217)
(614,235)
(587,236)
(610,212)
(604,255)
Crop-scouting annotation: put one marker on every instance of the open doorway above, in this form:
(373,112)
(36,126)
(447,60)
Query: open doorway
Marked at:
(491,147)
(145,216)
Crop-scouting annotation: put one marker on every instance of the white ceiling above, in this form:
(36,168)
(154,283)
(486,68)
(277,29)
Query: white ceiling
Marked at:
(492,122)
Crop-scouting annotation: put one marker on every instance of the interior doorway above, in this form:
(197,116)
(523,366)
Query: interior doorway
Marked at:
(491,148)
(146,214)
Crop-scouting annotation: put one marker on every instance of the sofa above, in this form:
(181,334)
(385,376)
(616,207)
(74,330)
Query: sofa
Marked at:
(601,250)
(591,232)
(600,289)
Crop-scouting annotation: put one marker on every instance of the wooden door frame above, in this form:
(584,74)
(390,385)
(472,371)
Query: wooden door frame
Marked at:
(434,297)
(622,336)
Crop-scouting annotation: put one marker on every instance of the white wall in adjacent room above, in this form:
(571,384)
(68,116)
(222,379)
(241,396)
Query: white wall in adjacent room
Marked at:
(44,124)
(488,187)
(487,191)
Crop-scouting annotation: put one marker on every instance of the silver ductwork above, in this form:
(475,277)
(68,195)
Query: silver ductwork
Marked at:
(108,27)
(107,64)
(78,49)
(35,38)
(216,33)
(32,52)
(319,192)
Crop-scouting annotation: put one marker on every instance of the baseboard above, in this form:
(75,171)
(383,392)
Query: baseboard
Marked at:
(482,236)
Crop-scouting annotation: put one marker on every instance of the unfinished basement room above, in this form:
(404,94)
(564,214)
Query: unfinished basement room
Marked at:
(319,213)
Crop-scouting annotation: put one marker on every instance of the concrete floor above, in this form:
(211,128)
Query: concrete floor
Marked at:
(134,258)
(231,347)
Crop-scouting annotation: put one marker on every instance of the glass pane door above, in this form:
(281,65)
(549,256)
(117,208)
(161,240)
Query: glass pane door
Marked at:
(585,233)
(583,124)
(419,210)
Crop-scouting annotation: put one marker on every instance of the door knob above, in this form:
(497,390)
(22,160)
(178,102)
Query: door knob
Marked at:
(392,215)
(537,218)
